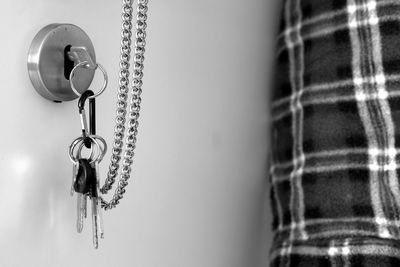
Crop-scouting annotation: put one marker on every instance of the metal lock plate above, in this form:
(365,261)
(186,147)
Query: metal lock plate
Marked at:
(47,60)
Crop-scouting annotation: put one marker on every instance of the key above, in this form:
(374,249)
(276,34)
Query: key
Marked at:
(75,168)
(95,223)
(82,186)
(84,176)
(81,209)
(94,196)
(99,213)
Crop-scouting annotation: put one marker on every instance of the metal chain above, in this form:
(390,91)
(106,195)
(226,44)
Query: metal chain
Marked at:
(122,105)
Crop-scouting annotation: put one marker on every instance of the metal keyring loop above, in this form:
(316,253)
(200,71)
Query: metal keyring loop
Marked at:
(80,139)
(85,65)
(72,156)
(79,152)
(103,149)
(72,148)
(99,150)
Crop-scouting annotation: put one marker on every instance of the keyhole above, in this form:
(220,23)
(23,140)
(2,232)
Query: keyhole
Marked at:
(68,63)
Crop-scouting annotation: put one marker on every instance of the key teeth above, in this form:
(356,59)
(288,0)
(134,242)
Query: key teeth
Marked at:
(81,209)
(100,219)
(84,208)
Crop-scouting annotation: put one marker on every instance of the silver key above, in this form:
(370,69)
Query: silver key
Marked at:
(82,211)
(80,184)
(99,213)
(95,200)
(95,223)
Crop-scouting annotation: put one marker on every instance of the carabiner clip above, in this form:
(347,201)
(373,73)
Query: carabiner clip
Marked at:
(82,114)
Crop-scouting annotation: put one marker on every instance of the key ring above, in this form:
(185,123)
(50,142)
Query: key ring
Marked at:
(101,150)
(85,65)
(93,138)
(78,140)
(72,148)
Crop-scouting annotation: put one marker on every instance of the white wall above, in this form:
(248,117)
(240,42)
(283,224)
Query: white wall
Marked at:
(199,190)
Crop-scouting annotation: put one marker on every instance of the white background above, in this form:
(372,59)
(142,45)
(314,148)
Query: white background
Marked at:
(199,192)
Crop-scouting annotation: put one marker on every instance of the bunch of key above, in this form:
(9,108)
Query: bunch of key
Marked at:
(85,174)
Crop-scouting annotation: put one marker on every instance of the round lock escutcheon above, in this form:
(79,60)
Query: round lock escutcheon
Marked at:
(47,62)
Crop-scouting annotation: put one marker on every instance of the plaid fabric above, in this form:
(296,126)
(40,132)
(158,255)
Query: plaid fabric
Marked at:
(335,134)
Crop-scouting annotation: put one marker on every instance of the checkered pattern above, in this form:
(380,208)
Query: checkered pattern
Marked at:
(335,134)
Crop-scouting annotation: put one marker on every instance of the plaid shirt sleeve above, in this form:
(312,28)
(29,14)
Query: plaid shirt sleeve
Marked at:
(336,134)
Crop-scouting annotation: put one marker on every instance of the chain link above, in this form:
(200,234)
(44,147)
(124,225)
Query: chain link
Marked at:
(122,103)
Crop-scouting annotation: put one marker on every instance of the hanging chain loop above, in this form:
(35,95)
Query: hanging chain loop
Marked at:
(122,103)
